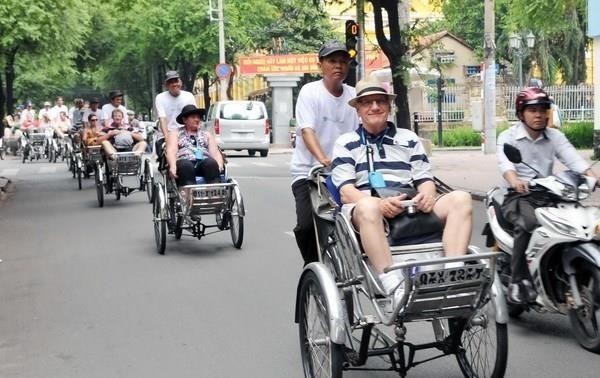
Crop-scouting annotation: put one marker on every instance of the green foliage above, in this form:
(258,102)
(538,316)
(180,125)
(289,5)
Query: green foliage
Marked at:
(459,137)
(580,134)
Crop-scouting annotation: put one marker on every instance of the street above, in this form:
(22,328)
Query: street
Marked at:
(83,292)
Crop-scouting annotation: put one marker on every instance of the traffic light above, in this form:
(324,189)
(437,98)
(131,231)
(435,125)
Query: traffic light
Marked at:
(352,38)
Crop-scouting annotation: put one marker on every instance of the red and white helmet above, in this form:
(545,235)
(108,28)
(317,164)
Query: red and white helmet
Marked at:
(531,96)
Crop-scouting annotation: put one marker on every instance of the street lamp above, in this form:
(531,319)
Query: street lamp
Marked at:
(521,51)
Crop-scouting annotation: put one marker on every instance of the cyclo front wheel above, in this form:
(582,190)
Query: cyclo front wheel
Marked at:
(236,221)
(481,342)
(320,356)
(99,186)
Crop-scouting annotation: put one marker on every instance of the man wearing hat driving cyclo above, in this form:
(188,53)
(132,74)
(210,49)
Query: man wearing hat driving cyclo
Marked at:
(116,102)
(322,114)
(399,165)
(168,106)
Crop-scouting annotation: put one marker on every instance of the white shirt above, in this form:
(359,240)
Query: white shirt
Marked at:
(89,111)
(539,153)
(55,111)
(107,110)
(43,114)
(169,107)
(327,115)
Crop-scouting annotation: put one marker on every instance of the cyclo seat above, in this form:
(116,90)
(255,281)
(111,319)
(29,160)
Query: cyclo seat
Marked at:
(201,180)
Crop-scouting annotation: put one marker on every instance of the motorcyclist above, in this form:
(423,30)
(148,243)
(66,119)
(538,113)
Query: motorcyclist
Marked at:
(539,146)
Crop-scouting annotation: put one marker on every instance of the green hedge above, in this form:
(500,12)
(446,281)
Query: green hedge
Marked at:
(460,136)
(581,134)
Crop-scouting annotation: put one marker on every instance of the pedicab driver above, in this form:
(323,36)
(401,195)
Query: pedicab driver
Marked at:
(398,155)
(191,151)
(322,114)
(168,106)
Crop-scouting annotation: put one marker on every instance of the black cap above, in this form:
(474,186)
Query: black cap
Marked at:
(189,110)
(331,47)
(94,100)
(171,75)
(113,94)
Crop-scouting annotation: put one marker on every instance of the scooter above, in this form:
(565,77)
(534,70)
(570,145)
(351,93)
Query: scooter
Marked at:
(563,254)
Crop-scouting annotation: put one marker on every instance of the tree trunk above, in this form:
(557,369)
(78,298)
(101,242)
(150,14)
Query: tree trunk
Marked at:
(395,48)
(205,88)
(9,71)
(2,102)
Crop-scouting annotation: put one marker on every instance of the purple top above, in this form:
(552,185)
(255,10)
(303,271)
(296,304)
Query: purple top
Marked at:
(188,144)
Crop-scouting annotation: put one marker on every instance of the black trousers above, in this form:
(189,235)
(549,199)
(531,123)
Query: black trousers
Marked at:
(305,229)
(519,210)
(187,170)
(158,146)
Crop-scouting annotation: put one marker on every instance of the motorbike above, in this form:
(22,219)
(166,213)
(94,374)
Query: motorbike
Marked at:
(563,255)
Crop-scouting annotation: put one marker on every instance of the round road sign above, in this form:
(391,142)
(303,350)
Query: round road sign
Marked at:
(223,70)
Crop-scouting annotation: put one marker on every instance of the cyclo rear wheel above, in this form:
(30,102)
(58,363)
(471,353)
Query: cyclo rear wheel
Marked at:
(481,342)
(320,356)
(160,225)
(236,221)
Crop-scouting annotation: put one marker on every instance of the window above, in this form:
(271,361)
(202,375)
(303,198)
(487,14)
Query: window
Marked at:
(242,110)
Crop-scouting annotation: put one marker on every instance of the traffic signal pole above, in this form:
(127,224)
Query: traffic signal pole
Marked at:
(489,79)
(360,17)
(352,33)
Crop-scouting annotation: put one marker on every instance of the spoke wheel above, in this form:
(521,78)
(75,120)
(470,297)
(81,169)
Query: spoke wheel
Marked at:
(160,227)
(149,182)
(482,349)
(236,222)
(99,187)
(178,230)
(585,321)
(79,176)
(320,356)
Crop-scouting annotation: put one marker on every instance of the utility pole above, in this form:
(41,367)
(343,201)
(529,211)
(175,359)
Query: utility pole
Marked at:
(489,79)
(360,18)
(223,78)
(223,81)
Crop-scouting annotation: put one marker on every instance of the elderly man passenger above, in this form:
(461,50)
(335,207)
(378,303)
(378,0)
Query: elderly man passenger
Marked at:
(399,156)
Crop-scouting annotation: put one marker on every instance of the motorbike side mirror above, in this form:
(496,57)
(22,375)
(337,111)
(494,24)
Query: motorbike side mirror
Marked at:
(512,153)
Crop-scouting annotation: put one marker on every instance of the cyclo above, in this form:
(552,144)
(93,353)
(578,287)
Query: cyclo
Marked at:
(341,306)
(186,208)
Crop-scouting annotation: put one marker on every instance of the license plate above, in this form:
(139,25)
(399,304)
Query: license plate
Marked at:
(452,275)
(210,192)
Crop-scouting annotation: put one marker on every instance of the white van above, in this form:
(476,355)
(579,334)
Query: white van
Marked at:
(240,125)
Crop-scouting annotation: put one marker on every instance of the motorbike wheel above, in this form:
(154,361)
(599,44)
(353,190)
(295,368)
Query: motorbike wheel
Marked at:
(320,356)
(586,320)
(481,343)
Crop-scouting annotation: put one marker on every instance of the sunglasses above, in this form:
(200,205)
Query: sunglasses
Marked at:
(93,119)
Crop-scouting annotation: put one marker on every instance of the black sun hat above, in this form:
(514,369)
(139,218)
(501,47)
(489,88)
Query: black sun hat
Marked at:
(189,110)
(113,94)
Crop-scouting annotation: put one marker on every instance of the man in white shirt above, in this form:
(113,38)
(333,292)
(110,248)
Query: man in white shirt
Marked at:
(59,106)
(92,110)
(168,106)
(322,114)
(45,116)
(116,102)
(539,146)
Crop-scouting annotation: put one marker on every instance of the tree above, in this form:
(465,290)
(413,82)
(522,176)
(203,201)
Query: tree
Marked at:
(32,29)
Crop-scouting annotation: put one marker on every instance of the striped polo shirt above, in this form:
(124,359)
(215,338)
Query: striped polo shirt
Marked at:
(397,154)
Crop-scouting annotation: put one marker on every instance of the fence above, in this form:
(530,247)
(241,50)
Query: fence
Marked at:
(576,102)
